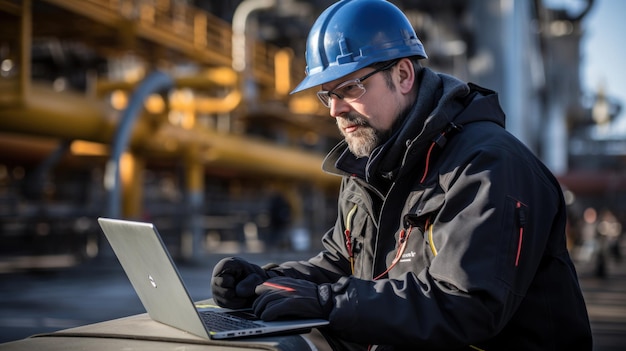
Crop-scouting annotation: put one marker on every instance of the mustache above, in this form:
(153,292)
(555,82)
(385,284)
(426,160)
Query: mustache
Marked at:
(352,119)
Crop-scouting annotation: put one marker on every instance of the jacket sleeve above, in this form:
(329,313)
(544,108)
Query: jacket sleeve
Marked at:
(489,237)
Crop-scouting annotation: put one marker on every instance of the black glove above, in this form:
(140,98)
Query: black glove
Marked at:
(234,280)
(284,297)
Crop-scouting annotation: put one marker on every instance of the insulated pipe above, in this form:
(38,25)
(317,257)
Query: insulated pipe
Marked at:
(240,55)
(192,244)
(240,19)
(155,82)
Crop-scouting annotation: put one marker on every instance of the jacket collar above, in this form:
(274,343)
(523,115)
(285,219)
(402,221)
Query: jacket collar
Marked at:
(441,99)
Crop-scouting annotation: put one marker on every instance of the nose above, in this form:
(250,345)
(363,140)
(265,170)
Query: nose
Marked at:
(338,107)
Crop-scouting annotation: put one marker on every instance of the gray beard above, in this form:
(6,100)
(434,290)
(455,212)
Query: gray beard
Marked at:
(362,142)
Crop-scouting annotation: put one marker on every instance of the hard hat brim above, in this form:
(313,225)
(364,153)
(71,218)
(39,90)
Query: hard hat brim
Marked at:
(331,73)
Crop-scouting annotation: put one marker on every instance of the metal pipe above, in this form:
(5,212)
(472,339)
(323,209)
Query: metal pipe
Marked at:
(69,116)
(155,82)
(240,19)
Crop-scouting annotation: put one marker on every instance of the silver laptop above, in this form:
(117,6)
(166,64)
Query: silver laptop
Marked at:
(151,271)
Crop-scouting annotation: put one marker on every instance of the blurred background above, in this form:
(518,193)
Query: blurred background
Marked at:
(178,112)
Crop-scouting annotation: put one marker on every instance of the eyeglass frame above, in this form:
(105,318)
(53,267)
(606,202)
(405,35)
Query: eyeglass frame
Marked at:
(325,96)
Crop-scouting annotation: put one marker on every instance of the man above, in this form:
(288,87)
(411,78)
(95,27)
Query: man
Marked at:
(450,233)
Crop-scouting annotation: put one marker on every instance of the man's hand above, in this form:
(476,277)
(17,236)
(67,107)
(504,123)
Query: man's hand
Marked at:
(234,280)
(284,297)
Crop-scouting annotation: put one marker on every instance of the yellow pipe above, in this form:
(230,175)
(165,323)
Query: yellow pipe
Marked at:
(64,115)
(194,169)
(26,33)
(67,116)
(212,77)
(245,154)
(131,176)
(282,71)
(218,105)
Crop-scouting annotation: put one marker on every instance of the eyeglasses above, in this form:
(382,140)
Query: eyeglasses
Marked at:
(350,90)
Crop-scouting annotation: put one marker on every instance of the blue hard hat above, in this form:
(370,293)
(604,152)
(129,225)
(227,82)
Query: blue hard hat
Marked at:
(353,34)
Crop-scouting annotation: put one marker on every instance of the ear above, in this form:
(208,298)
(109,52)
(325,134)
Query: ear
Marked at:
(405,75)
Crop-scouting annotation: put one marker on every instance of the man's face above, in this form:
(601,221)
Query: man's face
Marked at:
(365,122)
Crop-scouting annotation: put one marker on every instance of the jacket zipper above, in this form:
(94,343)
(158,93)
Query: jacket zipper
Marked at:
(348,235)
(402,242)
(521,223)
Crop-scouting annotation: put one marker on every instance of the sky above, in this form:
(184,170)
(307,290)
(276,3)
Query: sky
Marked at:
(604,52)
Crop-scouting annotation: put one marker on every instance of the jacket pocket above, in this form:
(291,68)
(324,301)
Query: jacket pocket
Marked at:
(357,230)
(421,218)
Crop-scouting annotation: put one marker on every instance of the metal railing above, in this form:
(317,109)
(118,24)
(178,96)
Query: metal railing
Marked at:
(186,28)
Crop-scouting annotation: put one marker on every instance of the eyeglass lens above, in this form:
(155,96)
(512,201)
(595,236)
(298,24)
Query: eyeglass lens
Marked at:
(350,90)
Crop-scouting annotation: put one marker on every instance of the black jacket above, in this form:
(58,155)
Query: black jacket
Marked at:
(457,233)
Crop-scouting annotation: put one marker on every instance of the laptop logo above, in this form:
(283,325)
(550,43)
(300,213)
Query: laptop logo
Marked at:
(154,284)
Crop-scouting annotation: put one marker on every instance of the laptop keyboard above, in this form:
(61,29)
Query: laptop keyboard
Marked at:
(219,321)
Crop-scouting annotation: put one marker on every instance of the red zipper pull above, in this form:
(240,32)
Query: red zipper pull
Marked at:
(348,242)
(349,247)
(521,222)
(402,237)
